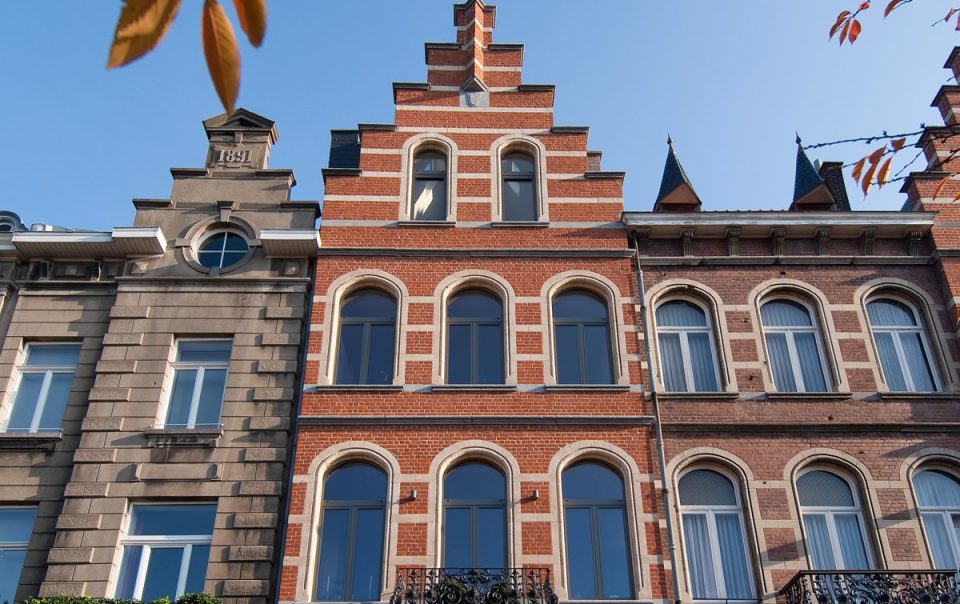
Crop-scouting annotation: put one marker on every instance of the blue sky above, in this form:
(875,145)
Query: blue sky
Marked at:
(730,81)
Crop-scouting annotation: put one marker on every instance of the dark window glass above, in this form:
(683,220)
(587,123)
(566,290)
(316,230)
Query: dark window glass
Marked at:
(519,188)
(351,534)
(221,250)
(16,525)
(474,519)
(367,331)
(582,334)
(429,187)
(475,339)
(598,554)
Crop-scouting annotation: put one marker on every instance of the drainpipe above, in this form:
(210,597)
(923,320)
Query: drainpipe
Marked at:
(658,429)
(294,430)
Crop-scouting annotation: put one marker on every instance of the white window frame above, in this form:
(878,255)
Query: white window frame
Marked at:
(150,542)
(48,371)
(789,333)
(829,513)
(200,367)
(685,346)
(711,511)
(918,328)
(946,512)
(212,233)
(17,546)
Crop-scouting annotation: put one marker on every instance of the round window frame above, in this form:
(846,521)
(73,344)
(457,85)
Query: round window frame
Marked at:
(194,257)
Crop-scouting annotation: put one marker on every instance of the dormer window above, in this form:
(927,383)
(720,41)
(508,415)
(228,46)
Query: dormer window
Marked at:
(429,199)
(222,249)
(518,188)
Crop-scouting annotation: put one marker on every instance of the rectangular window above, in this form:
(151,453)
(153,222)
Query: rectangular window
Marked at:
(16,524)
(199,380)
(165,551)
(45,379)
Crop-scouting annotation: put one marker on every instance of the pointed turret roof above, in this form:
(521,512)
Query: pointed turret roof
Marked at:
(676,193)
(810,192)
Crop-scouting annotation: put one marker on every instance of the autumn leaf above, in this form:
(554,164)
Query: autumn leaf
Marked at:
(843,32)
(141,26)
(858,169)
(958,23)
(950,14)
(867,178)
(253,19)
(883,174)
(863,6)
(854,31)
(940,186)
(840,19)
(221,52)
(893,4)
(898,143)
(876,155)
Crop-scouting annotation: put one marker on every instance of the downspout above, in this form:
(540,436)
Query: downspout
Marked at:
(294,430)
(658,429)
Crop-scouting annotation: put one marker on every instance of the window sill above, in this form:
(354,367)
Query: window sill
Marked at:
(586,387)
(354,388)
(183,437)
(808,396)
(939,397)
(521,224)
(474,388)
(427,223)
(29,441)
(698,396)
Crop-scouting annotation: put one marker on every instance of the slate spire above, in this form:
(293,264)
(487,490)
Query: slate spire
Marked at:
(810,192)
(676,193)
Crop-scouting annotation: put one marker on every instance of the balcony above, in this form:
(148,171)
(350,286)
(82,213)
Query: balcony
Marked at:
(473,586)
(871,586)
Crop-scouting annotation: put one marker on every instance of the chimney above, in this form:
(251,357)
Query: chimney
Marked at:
(832,173)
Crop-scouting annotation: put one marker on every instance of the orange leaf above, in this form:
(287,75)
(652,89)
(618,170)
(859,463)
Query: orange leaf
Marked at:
(958,23)
(141,26)
(843,32)
(220,50)
(940,185)
(893,4)
(854,31)
(840,19)
(883,174)
(950,13)
(898,143)
(876,155)
(865,183)
(858,169)
(863,6)
(253,19)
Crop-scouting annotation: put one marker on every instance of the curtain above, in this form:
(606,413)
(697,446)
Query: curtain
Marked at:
(889,313)
(703,582)
(736,573)
(818,542)
(780,362)
(852,547)
(938,489)
(782,313)
(939,539)
(679,313)
(916,362)
(889,361)
(672,359)
(701,358)
(810,365)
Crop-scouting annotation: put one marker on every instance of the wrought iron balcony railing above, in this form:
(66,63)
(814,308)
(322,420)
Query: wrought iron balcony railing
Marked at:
(473,586)
(872,587)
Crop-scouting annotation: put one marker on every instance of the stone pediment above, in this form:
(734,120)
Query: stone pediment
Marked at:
(240,120)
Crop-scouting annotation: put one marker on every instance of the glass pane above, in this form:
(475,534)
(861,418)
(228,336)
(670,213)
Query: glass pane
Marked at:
(938,536)
(491,538)
(356,482)
(369,304)
(231,258)
(380,353)
(490,354)
(459,355)
(568,354)
(25,405)
(785,313)
(703,579)
(211,397)
(733,558)
(163,573)
(706,487)
(332,568)
(56,402)
(701,358)
(596,340)
(172,520)
(671,359)
(917,365)
(519,202)
(210,259)
(937,489)
(178,412)
(46,356)
(196,351)
(780,363)
(236,243)
(475,481)
(429,199)
(890,313)
(429,163)
(579,306)
(592,481)
(457,538)
(213,243)
(517,163)
(350,354)
(680,313)
(810,364)
(890,362)
(129,564)
(819,546)
(852,546)
(820,488)
(197,569)
(16,524)
(367,556)
(580,564)
(614,554)
(475,305)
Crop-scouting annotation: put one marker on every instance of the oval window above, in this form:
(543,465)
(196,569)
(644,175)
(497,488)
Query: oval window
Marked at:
(222,249)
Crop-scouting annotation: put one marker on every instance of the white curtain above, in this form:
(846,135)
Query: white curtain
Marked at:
(818,542)
(671,358)
(701,358)
(937,489)
(890,362)
(916,362)
(810,365)
(780,362)
(736,574)
(703,582)
(939,540)
(852,547)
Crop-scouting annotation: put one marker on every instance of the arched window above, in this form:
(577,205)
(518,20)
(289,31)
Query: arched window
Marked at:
(832,522)
(474,517)
(368,325)
(595,520)
(429,199)
(518,187)
(475,338)
(793,345)
(714,539)
(351,534)
(902,346)
(938,499)
(582,339)
(687,357)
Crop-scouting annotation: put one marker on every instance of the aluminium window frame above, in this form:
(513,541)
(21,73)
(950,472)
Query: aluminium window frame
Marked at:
(920,327)
(475,323)
(48,371)
(368,324)
(353,507)
(581,341)
(789,335)
(682,332)
(475,505)
(532,177)
(417,175)
(200,367)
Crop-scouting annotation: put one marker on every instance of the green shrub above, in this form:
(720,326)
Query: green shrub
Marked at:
(199,598)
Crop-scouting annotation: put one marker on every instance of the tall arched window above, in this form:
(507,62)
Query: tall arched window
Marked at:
(582,338)
(474,517)
(938,499)
(518,187)
(793,345)
(714,539)
(368,325)
(475,339)
(429,199)
(687,357)
(350,565)
(902,346)
(595,521)
(832,522)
